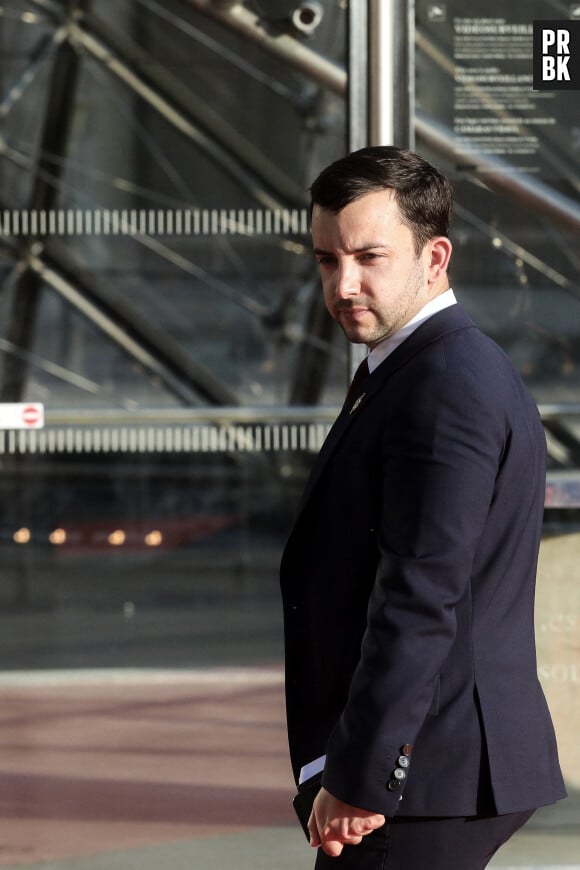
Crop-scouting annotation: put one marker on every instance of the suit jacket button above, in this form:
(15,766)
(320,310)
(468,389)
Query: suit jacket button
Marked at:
(399,774)
(407,749)
(403,761)
(393,785)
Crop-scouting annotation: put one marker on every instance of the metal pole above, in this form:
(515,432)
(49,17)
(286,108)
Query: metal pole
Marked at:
(391,74)
(382,106)
(358,75)
(358,107)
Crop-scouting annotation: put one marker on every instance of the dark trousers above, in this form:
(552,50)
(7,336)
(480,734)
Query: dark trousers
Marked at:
(416,843)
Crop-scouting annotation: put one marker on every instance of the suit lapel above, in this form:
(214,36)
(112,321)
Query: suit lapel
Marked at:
(446,321)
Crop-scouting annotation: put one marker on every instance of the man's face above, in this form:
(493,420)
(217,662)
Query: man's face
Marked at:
(372,278)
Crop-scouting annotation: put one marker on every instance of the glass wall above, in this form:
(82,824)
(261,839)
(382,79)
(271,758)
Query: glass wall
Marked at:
(159,307)
(160,311)
(158,301)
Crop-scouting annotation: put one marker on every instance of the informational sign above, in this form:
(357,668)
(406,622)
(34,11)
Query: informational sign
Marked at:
(475,68)
(21,415)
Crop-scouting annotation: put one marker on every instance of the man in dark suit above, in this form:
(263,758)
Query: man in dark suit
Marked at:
(408,578)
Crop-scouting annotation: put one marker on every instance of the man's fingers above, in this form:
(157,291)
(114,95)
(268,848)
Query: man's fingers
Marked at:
(313,831)
(333,824)
(352,839)
(331,837)
(334,836)
(333,848)
(373,822)
(362,826)
(348,834)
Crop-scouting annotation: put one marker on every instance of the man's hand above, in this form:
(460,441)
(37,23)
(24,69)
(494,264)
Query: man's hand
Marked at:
(333,824)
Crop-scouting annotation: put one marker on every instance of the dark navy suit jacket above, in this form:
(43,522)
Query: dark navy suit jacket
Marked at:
(408,588)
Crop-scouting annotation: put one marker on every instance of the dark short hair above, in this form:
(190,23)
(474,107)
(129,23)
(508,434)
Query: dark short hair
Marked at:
(423,194)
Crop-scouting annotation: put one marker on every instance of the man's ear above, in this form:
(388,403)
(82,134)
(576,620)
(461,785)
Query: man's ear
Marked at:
(439,253)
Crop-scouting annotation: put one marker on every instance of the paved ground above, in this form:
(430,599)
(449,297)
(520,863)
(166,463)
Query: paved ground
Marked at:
(171,769)
(144,748)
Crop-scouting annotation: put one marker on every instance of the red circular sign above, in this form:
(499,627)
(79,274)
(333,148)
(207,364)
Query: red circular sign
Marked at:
(31,415)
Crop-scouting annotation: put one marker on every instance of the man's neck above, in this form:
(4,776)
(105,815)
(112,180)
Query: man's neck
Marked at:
(385,347)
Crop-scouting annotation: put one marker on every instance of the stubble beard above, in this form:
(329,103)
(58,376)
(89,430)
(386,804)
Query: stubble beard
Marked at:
(370,335)
(389,322)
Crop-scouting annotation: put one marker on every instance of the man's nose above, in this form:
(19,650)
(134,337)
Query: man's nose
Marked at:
(348,283)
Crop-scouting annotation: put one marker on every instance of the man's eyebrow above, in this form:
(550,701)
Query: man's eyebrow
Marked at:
(358,250)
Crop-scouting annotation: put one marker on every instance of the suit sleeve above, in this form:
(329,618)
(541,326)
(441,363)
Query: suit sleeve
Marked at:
(442,447)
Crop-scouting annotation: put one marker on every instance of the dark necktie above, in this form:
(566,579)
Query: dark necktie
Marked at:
(361,373)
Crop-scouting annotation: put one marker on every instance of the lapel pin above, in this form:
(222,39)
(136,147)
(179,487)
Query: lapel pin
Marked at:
(357,403)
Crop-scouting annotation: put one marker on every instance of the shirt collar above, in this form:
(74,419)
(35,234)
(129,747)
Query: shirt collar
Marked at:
(385,347)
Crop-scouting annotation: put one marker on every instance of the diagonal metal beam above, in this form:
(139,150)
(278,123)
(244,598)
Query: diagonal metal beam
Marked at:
(498,174)
(54,140)
(191,116)
(38,58)
(238,18)
(312,365)
(566,437)
(138,337)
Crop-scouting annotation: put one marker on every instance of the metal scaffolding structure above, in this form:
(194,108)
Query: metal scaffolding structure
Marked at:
(377,90)
(78,34)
